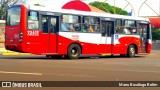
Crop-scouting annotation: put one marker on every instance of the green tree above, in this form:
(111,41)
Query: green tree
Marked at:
(4,4)
(108,8)
(155,34)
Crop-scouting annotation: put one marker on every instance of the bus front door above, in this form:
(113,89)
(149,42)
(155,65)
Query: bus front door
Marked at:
(50,27)
(143,37)
(107,29)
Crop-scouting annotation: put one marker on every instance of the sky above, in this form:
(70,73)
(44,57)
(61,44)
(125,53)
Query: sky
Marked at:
(136,4)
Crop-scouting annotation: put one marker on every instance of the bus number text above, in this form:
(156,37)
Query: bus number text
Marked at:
(32,33)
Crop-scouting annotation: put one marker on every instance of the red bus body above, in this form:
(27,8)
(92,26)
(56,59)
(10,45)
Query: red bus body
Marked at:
(20,38)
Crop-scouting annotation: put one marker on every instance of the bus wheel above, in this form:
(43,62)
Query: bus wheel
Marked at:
(131,51)
(74,51)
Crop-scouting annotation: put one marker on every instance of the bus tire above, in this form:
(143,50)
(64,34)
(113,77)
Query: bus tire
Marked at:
(131,51)
(74,51)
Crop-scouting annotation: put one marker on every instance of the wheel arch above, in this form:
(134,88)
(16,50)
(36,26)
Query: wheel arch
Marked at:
(77,44)
(136,47)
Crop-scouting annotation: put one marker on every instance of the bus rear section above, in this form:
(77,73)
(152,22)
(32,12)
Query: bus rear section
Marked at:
(15,28)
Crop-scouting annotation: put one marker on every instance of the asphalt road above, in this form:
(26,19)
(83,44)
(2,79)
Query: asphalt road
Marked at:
(40,68)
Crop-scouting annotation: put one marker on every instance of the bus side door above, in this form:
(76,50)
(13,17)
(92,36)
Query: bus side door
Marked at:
(49,29)
(54,26)
(107,29)
(144,37)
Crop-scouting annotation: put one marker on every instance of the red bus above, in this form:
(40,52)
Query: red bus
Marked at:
(45,31)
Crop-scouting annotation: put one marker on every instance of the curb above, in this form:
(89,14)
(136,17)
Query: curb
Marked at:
(103,55)
(5,52)
(16,54)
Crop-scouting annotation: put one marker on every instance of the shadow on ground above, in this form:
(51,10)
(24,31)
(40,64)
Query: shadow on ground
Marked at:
(49,58)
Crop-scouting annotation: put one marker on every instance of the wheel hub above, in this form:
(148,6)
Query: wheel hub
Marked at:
(132,51)
(74,51)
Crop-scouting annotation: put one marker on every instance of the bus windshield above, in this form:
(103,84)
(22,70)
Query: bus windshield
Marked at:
(13,16)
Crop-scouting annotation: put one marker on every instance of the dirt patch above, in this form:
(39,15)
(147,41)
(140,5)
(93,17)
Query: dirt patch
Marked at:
(1,45)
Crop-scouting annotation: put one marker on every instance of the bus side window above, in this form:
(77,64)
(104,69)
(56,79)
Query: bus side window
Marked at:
(103,27)
(118,26)
(85,25)
(126,30)
(130,27)
(70,23)
(33,20)
(53,25)
(71,27)
(91,24)
(45,24)
(64,27)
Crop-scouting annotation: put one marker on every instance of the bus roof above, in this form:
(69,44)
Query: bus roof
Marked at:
(86,13)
